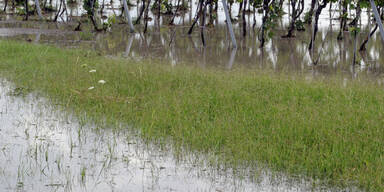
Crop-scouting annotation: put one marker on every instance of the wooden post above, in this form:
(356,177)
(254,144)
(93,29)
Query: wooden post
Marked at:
(229,24)
(377,17)
(37,4)
(128,16)
(313,28)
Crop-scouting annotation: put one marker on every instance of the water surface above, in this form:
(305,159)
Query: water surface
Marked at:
(172,45)
(45,149)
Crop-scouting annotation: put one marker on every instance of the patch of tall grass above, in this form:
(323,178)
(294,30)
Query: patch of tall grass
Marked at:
(319,129)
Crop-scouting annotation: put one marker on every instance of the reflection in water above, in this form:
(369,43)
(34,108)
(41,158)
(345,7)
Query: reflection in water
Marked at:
(129,45)
(43,149)
(171,44)
(218,40)
(331,57)
(232,58)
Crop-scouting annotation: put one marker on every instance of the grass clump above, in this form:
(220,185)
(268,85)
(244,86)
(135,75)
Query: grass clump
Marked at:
(318,129)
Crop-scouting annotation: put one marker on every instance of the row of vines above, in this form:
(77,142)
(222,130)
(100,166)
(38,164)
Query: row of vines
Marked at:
(301,17)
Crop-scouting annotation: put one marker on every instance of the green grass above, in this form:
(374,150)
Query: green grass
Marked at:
(318,129)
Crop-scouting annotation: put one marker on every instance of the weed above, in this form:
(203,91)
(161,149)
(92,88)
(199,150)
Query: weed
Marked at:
(320,129)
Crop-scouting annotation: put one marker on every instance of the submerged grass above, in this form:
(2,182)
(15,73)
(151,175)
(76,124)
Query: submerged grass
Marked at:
(318,129)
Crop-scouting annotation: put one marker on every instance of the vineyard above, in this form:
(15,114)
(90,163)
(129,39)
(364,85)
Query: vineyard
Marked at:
(302,14)
(191,95)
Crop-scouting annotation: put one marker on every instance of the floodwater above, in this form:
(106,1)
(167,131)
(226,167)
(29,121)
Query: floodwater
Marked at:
(45,149)
(172,45)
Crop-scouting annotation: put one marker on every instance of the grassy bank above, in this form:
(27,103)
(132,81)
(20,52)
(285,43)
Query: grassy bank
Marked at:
(318,129)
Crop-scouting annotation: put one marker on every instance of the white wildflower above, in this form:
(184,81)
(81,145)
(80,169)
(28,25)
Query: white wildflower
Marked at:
(101,81)
(93,71)
(90,88)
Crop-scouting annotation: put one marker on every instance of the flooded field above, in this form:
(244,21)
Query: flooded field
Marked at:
(44,149)
(172,44)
